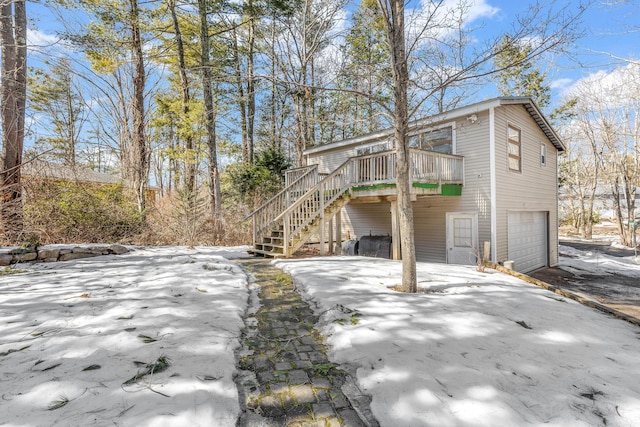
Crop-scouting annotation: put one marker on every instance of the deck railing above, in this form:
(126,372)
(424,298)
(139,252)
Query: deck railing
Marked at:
(312,205)
(290,175)
(433,167)
(264,216)
(426,166)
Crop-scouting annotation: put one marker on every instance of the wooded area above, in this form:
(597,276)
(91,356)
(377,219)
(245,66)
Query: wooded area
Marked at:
(200,106)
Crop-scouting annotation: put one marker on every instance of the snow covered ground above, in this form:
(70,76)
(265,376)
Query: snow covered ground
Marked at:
(594,262)
(471,349)
(73,335)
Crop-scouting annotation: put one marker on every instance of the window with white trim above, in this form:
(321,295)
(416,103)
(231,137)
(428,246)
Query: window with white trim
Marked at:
(373,148)
(440,140)
(543,154)
(514,146)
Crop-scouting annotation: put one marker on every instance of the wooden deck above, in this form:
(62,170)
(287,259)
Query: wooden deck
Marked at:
(311,200)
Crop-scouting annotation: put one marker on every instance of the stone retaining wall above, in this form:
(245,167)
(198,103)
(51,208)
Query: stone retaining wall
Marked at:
(61,254)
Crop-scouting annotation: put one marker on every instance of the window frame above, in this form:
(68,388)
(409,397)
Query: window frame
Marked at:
(418,136)
(543,154)
(511,142)
(373,148)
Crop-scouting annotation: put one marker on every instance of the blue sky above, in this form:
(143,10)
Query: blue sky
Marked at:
(611,27)
(611,35)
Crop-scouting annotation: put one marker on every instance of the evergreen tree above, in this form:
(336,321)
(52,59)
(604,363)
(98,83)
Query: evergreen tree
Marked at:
(516,74)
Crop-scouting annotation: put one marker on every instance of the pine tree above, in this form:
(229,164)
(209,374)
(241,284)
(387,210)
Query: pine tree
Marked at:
(516,73)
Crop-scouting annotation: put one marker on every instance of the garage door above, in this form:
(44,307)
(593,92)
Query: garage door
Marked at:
(528,240)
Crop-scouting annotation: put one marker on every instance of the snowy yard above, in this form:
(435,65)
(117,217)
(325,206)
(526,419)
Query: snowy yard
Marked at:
(474,348)
(73,335)
(471,349)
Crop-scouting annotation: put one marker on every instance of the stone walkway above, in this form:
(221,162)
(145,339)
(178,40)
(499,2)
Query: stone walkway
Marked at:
(285,378)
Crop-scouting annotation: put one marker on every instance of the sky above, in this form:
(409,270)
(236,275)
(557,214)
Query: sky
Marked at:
(471,348)
(610,36)
(611,33)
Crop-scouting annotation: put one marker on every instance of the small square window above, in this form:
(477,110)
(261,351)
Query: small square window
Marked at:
(543,154)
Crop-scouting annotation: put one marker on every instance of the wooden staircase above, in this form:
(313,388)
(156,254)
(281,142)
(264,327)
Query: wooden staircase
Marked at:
(273,243)
(299,212)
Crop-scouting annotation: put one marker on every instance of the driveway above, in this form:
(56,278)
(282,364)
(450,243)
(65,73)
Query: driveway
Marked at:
(613,290)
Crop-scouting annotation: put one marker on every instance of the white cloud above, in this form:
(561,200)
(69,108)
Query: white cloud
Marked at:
(37,39)
(445,18)
(478,9)
(611,86)
(561,84)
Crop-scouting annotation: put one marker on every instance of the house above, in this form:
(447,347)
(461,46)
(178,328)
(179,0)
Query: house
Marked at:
(34,170)
(486,172)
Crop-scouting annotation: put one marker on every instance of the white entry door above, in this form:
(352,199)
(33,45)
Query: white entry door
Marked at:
(462,238)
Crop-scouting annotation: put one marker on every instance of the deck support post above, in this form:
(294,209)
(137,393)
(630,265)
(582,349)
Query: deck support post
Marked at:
(331,248)
(338,248)
(395,231)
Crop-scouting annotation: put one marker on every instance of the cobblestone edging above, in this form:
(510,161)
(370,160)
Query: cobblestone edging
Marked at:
(285,377)
(15,256)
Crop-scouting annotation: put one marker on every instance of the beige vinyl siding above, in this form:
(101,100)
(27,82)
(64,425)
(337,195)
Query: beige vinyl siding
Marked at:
(329,161)
(532,189)
(430,230)
(364,219)
(472,142)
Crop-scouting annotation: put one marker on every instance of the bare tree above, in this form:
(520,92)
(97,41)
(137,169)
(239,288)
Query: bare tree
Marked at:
(305,33)
(606,122)
(13,36)
(190,167)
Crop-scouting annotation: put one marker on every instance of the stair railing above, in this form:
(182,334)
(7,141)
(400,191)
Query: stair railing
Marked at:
(307,208)
(264,216)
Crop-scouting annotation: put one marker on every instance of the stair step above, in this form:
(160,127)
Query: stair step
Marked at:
(274,245)
(272,239)
(269,245)
(264,253)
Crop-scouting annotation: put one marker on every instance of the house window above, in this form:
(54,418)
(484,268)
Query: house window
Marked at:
(373,148)
(515,149)
(543,154)
(462,232)
(440,140)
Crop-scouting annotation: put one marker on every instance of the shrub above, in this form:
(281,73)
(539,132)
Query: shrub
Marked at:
(67,212)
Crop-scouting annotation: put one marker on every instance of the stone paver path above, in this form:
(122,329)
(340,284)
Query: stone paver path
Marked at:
(285,377)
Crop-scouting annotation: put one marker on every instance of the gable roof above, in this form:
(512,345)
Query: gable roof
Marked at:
(525,101)
(55,171)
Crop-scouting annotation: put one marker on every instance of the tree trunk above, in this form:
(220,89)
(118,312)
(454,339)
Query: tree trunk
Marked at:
(189,161)
(393,11)
(251,91)
(242,103)
(139,143)
(210,117)
(13,35)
